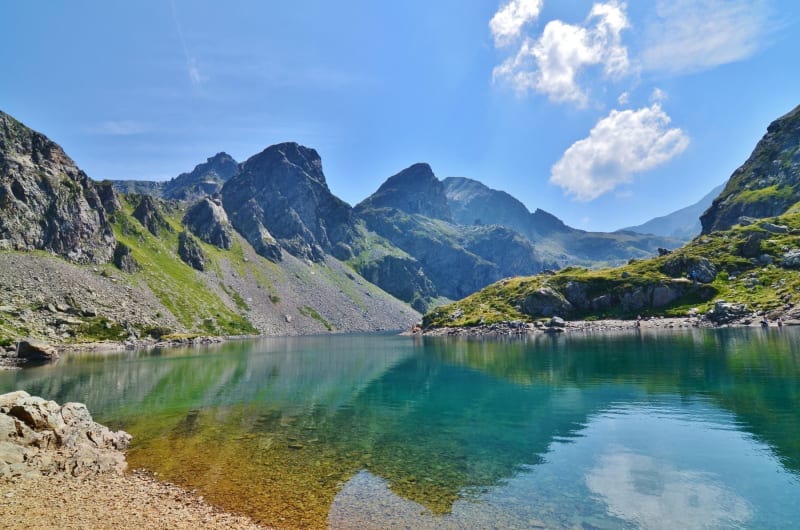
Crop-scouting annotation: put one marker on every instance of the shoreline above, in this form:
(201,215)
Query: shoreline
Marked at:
(137,499)
(559,326)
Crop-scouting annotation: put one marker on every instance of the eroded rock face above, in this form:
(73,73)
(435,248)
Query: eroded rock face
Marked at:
(124,260)
(546,302)
(190,252)
(47,202)
(208,221)
(281,195)
(148,212)
(204,180)
(767,184)
(415,190)
(40,436)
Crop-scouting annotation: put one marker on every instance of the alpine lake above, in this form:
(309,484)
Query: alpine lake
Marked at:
(695,428)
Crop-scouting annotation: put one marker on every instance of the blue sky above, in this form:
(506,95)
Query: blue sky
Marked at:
(604,113)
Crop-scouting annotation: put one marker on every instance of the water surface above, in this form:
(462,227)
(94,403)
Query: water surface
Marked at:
(695,428)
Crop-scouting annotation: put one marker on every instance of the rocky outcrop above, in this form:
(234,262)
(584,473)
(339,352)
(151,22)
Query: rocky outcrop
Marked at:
(41,437)
(767,184)
(208,221)
(281,194)
(727,312)
(47,202)
(190,251)
(148,212)
(695,268)
(415,190)
(204,180)
(30,350)
(124,260)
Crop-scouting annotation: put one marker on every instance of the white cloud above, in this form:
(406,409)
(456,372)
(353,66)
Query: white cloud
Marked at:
(658,96)
(507,23)
(623,99)
(551,64)
(620,145)
(694,35)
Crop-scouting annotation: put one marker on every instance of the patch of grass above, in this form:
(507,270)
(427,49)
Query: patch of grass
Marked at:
(235,296)
(759,284)
(100,328)
(275,299)
(179,287)
(312,313)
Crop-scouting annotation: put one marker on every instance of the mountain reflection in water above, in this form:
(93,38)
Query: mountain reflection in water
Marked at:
(652,430)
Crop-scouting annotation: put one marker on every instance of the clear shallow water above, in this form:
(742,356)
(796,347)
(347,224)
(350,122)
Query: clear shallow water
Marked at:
(694,429)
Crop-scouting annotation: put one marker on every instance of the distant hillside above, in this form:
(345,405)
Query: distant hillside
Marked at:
(683,224)
(767,184)
(474,203)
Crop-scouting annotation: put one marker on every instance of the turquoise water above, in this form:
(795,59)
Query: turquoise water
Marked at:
(683,429)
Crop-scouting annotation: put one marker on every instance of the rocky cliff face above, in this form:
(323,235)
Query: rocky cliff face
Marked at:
(47,202)
(208,221)
(410,210)
(282,193)
(204,180)
(415,190)
(767,184)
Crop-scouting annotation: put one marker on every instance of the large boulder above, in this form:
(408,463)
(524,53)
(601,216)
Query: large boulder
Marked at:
(546,302)
(190,251)
(40,436)
(124,260)
(726,312)
(208,221)
(791,259)
(32,350)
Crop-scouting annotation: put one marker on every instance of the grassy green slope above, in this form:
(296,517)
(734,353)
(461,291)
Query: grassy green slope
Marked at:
(759,281)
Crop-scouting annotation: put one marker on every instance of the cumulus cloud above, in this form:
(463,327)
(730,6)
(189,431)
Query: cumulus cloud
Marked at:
(622,144)
(507,23)
(551,64)
(694,35)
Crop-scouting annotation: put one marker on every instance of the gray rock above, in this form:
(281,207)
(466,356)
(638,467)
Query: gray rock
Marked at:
(36,351)
(148,212)
(773,228)
(556,322)
(791,259)
(37,435)
(190,251)
(725,312)
(204,180)
(48,203)
(124,260)
(751,246)
(208,221)
(546,302)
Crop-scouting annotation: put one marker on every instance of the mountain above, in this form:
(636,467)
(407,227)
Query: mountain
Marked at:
(767,184)
(410,210)
(743,266)
(474,203)
(122,268)
(415,190)
(204,180)
(683,224)
(47,202)
(281,194)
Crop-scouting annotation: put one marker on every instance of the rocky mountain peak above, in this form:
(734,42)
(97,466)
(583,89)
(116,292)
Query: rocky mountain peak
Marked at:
(205,179)
(47,202)
(415,190)
(282,192)
(767,184)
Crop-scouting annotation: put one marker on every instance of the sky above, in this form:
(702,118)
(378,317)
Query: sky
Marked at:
(605,113)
